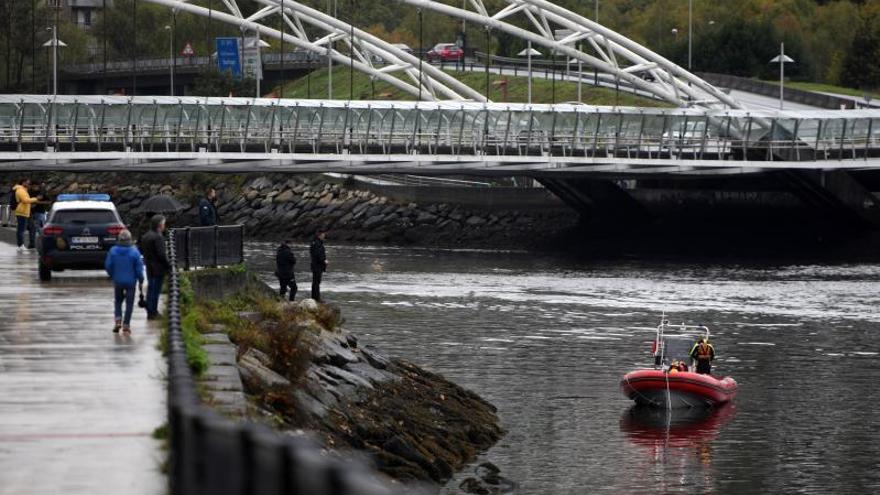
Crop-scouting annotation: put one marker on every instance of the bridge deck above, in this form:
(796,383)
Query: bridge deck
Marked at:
(78,404)
(74,128)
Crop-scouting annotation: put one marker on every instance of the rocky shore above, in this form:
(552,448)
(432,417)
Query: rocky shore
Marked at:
(294,206)
(301,371)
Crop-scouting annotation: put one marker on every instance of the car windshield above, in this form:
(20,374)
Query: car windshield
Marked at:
(83,217)
(443,46)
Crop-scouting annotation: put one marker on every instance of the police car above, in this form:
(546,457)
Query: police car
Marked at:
(80,230)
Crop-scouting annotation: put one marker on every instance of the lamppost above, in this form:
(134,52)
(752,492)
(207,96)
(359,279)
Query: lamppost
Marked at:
(170,56)
(529,51)
(54,43)
(421,50)
(782,59)
(690,34)
(257,44)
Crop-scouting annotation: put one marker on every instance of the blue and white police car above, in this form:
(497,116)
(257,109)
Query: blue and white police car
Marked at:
(81,228)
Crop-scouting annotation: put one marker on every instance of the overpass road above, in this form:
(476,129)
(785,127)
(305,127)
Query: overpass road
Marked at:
(78,404)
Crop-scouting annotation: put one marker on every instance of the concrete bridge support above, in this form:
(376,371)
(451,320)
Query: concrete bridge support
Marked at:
(599,201)
(836,193)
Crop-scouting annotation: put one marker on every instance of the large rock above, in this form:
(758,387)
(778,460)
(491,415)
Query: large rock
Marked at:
(284,197)
(327,348)
(256,374)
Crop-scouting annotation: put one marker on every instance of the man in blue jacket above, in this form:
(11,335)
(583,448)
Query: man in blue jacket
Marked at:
(125,267)
(208,209)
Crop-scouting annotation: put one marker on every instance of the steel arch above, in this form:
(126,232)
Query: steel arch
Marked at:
(436,84)
(612,53)
(615,54)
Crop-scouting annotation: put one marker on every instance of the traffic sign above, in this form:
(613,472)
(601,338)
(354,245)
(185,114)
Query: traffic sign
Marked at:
(228,55)
(188,50)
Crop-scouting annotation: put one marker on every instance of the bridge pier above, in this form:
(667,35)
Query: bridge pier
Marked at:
(599,201)
(836,193)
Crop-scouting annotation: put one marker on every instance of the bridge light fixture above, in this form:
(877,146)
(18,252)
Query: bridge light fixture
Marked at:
(54,43)
(782,59)
(171,57)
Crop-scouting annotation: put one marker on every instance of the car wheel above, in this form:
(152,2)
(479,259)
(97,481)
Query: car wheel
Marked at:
(45,272)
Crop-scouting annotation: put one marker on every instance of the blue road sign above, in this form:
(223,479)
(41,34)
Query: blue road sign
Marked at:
(228,55)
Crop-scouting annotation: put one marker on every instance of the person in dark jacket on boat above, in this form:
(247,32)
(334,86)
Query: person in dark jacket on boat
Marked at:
(284,263)
(704,354)
(318,262)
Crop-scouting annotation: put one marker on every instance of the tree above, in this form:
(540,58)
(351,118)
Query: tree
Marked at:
(861,67)
(212,82)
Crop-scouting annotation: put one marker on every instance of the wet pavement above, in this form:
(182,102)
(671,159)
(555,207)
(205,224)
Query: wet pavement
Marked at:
(78,404)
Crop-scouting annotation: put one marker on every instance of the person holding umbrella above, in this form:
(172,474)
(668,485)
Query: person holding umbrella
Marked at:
(153,245)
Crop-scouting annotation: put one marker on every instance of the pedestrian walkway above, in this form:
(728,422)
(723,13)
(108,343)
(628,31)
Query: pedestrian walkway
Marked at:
(78,404)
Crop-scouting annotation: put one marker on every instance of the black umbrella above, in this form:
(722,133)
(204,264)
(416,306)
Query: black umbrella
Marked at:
(161,203)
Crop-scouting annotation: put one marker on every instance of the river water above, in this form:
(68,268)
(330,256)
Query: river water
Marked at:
(546,339)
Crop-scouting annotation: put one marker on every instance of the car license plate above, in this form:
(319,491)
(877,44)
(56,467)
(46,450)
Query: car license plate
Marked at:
(84,240)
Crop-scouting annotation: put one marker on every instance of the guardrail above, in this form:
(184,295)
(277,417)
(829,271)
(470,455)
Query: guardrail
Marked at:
(292,60)
(210,247)
(212,454)
(791,94)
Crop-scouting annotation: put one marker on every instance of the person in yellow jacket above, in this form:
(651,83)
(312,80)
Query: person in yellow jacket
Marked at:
(23,210)
(704,353)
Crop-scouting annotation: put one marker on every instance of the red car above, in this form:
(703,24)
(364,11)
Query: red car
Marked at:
(445,52)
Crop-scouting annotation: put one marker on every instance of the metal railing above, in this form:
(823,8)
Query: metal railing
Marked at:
(156,125)
(209,247)
(210,453)
(293,60)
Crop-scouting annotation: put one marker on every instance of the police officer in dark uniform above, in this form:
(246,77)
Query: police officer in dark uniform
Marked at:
(284,263)
(703,353)
(319,262)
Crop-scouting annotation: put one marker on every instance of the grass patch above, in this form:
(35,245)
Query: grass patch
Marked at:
(161,432)
(193,325)
(192,322)
(517,89)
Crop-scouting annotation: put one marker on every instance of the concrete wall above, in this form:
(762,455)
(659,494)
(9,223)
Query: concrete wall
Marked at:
(492,198)
(770,89)
(221,283)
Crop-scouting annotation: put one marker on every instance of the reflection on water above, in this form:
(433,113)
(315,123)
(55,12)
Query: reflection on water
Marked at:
(661,429)
(547,339)
(679,438)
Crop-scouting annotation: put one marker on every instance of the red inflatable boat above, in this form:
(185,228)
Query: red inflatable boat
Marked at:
(683,389)
(662,387)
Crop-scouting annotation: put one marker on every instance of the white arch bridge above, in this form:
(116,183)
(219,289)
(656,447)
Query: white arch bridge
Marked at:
(562,31)
(243,134)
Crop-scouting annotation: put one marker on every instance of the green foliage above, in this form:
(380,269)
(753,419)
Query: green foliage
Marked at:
(861,66)
(213,82)
(161,432)
(290,354)
(835,42)
(193,324)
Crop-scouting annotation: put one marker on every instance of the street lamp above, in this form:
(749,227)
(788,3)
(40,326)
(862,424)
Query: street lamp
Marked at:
(54,43)
(257,44)
(782,59)
(690,33)
(170,56)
